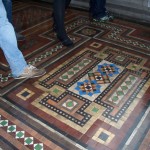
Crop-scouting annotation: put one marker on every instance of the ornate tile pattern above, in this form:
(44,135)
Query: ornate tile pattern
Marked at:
(23,137)
(103,90)
(25,94)
(93,94)
(103,136)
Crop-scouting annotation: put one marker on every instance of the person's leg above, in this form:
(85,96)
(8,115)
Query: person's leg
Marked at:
(59,15)
(98,11)
(97,8)
(8,43)
(8,8)
(67,3)
(13,55)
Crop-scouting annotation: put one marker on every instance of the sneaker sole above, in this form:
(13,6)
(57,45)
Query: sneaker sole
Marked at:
(35,76)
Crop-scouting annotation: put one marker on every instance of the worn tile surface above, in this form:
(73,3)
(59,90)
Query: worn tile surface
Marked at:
(94,96)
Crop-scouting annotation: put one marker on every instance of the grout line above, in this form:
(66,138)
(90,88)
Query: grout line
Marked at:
(136,129)
(44,125)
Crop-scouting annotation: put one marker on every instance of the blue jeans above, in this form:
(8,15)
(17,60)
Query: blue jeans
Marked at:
(97,8)
(8,43)
(8,8)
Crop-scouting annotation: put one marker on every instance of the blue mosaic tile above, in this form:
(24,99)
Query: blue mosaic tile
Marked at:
(25,94)
(88,87)
(108,69)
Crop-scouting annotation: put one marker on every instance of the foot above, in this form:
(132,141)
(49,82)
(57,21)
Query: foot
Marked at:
(20,37)
(31,72)
(66,41)
(111,17)
(105,18)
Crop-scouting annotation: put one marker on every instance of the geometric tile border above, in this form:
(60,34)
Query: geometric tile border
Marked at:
(12,128)
(103,136)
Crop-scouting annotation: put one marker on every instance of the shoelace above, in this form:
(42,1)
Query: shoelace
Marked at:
(30,68)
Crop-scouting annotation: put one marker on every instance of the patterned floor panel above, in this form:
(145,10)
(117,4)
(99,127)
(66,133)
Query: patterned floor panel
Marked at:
(95,96)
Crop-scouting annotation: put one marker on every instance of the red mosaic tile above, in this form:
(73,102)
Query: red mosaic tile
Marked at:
(100,117)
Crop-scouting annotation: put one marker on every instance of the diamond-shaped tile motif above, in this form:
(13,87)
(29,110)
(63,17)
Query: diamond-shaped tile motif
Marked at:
(76,68)
(69,104)
(3,123)
(96,80)
(128,83)
(88,87)
(103,136)
(120,93)
(132,78)
(65,77)
(38,146)
(120,58)
(11,128)
(20,134)
(28,140)
(115,98)
(70,72)
(133,66)
(56,90)
(123,89)
(95,110)
(96,45)
(108,69)
(89,31)
(73,71)
(25,94)
(101,55)
(99,78)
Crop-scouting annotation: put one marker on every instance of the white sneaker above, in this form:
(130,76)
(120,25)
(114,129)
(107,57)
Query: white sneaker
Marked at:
(31,72)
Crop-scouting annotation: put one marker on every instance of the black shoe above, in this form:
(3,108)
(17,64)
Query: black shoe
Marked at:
(66,41)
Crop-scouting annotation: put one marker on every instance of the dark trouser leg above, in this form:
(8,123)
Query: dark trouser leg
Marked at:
(97,8)
(8,8)
(59,15)
(67,3)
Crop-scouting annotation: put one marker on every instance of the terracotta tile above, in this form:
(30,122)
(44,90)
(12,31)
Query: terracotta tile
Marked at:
(85,139)
(99,116)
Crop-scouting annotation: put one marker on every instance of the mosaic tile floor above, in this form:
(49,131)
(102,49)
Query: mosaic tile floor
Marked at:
(95,96)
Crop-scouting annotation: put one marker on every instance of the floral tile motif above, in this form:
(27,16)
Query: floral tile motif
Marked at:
(89,31)
(88,88)
(97,80)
